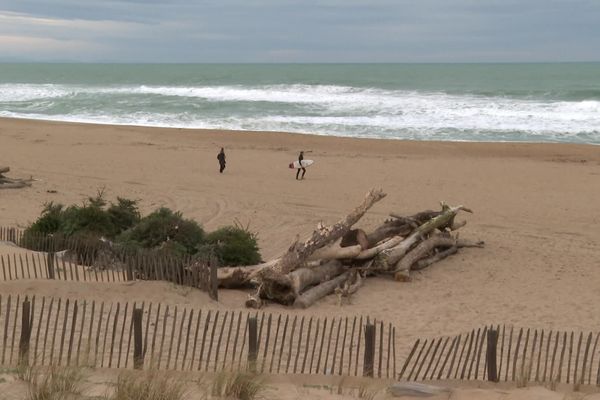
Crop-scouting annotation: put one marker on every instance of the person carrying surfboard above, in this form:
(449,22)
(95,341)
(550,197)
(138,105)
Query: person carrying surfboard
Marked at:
(300,159)
(221,158)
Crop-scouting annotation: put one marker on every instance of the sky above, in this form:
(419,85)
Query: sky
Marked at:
(289,31)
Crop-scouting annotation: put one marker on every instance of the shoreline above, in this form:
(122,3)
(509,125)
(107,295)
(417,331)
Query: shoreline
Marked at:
(204,130)
(496,148)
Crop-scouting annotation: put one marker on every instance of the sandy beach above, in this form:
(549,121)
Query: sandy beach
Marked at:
(535,206)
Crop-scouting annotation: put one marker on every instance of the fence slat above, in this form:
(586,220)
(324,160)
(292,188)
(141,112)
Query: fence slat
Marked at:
(424,360)
(300,343)
(72,334)
(90,334)
(138,351)
(585,358)
(337,339)
(570,356)
(187,339)
(577,359)
(416,363)
(592,359)
(6,323)
(179,338)
(466,362)
(114,331)
(306,344)
(218,350)
(121,343)
(369,350)
(437,346)
(39,326)
(344,346)
(360,324)
(106,325)
(235,341)
(454,353)
(275,343)
(328,346)
(407,362)
(264,360)
(54,332)
(287,367)
(81,327)
(321,347)
(562,357)
(315,342)
(212,335)
(450,349)
(206,323)
(162,338)
(252,343)
(173,327)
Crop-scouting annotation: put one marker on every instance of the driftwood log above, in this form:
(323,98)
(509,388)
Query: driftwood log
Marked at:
(338,258)
(9,183)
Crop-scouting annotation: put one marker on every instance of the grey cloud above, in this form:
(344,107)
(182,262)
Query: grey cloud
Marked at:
(325,30)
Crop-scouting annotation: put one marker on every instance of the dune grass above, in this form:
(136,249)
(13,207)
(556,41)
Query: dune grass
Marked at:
(148,386)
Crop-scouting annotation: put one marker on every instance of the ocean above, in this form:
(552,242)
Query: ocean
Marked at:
(449,102)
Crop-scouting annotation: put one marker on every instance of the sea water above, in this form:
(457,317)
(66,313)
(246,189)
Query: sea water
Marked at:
(456,102)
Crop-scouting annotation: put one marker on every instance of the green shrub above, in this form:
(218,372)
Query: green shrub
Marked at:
(234,246)
(161,226)
(49,221)
(124,214)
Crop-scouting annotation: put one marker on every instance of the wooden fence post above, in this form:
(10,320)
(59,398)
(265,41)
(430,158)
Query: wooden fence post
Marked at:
(50,262)
(11,235)
(492,344)
(369,360)
(138,355)
(252,343)
(213,290)
(129,267)
(25,333)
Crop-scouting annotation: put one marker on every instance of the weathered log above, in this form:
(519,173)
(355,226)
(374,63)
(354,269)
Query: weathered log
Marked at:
(299,252)
(387,259)
(388,229)
(274,281)
(420,257)
(13,184)
(426,262)
(335,251)
(373,251)
(416,219)
(309,297)
(304,277)
(354,237)
(422,250)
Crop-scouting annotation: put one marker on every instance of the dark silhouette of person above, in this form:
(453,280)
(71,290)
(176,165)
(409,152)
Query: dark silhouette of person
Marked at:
(221,158)
(300,158)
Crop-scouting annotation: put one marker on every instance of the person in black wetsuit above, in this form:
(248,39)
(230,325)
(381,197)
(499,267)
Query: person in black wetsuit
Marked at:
(300,158)
(221,158)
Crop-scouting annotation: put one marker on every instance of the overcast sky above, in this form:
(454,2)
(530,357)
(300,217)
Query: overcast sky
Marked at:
(300,30)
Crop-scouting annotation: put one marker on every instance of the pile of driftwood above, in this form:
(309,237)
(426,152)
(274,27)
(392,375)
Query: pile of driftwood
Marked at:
(9,183)
(337,258)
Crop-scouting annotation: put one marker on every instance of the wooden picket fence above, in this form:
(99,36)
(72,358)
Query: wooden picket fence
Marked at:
(507,354)
(55,331)
(136,265)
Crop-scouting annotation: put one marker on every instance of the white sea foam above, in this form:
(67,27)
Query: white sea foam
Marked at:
(323,109)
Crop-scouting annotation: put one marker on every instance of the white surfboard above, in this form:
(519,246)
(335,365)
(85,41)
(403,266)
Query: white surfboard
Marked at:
(305,164)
